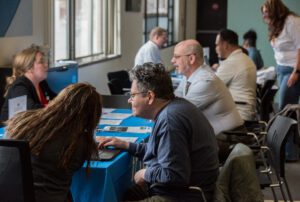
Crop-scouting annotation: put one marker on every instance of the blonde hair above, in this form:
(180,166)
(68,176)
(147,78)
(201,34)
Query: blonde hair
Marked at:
(74,114)
(22,62)
(157,31)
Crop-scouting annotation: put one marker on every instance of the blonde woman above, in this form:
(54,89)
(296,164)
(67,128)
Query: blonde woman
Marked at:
(30,69)
(60,137)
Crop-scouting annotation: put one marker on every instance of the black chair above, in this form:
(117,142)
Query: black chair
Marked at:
(275,156)
(116,101)
(265,97)
(4,72)
(16,181)
(118,82)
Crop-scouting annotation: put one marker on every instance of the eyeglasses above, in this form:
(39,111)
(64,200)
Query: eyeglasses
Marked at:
(132,95)
(179,56)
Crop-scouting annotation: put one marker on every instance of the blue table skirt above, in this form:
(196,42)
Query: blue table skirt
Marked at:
(107,181)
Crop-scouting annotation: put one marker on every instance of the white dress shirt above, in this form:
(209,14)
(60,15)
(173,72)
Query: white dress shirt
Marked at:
(212,97)
(149,52)
(238,72)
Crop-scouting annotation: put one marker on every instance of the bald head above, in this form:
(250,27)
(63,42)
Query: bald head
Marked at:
(188,56)
(191,46)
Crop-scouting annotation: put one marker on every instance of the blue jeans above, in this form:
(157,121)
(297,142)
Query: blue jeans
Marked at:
(287,95)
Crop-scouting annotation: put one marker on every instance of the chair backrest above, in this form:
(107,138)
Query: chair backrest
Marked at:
(267,86)
(4,72)
(117,81)
(116,101)
(276,140)
(16,181)
(115,87)
(265,97)
(237,180)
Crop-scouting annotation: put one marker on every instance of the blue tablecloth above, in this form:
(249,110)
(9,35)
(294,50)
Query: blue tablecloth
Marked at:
(2,132)
(107,181)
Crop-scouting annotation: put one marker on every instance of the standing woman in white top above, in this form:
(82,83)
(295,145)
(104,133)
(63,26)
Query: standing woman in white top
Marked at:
(284,36)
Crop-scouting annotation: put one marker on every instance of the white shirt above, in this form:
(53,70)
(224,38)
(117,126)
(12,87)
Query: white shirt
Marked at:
(149,52)
(212,97)
(238,72)
(285,46)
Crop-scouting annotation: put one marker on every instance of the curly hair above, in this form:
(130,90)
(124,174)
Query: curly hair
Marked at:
(22,62)
(75,113)
(154,77)
(278,13)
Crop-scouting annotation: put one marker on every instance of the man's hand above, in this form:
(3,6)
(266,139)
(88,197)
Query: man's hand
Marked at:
(111,141)
(139,177)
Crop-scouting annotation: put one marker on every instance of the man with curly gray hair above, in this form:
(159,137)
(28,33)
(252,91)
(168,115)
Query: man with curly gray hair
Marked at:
(181,151)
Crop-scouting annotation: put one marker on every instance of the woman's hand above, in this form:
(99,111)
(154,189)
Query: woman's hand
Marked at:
(111,141)
(293,79)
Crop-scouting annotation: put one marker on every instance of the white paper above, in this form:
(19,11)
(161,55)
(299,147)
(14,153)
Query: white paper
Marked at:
(127,139)
(107,110)
(115,116)
(16,105)
(129,129)
(114,122)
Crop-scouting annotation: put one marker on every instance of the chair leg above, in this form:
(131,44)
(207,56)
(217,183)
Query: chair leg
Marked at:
(287,189)
(282,191)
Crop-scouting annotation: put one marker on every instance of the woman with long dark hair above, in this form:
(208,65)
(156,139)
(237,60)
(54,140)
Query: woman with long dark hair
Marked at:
(61,138)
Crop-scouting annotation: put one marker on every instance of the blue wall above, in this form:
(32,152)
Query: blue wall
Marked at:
(245,14)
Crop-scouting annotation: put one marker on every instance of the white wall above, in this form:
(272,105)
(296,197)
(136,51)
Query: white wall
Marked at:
(11,45)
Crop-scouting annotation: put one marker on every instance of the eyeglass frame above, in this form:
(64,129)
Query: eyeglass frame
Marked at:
(132,95)
(179,56)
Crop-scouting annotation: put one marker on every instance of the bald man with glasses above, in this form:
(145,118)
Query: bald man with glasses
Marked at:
(203,88)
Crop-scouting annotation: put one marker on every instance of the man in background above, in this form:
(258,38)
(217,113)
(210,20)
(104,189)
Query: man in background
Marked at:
(250,44)
(150,51)
(238,72)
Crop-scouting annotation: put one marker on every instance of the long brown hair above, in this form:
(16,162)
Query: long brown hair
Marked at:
(22,62)
(74,113)
(277,13)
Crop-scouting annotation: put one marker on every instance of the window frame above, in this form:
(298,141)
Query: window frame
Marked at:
(157,15)
(111,18)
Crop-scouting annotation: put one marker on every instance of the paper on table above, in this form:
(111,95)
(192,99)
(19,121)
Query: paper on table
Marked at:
(115,116)
(107,110)
(127,139)
(129,129)
(114,122)
(16,105)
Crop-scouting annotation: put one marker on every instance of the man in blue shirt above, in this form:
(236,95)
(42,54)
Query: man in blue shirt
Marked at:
(250,44)
(181,152)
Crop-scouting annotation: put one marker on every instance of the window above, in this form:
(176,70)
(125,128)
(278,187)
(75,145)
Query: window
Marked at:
(159,13)
(86,30)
